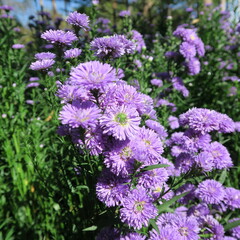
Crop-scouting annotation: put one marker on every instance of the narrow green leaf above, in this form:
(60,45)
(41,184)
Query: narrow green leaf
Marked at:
(154,225)
(92,228)
(154,167)
(168,203)
(223,176)
(232,225)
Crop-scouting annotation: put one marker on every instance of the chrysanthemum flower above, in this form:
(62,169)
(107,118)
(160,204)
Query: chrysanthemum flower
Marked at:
(210,191)
(111,189)
(72,53)
(59,37)
(42,64)
(193,65)
(179,86)
(45,55)
(205,161)
(78,114)
(121,122)
(78,19)
(166,233)
(137,209)
(187,50)
(220,154)
(232,198)
(93,75)
(157,127)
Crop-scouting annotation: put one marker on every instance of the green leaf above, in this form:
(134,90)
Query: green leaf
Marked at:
(154,225)
(92,228)
(223,176)
(163,207)
(154,167)
(232,225)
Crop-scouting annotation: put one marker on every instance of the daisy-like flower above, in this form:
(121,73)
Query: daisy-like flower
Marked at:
(210,191)
(179,86)
(137,38)
(173,122)
(93,74)
(72,53)
(59,37)
(42,64)
(220,154)
(157,127)
(193,65)
(78,19)
(133,236)
(121,122)
(111,189)
(137,209)
(78,114)
(124,13)
(18,46)
(187,50)
(232,198)
(45,55)
(166,233)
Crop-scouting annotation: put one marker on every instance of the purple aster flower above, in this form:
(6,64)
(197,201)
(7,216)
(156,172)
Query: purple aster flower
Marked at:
(193,66)
(30,102)
(72,53)
(200,47)
(237,126)
(164,102)
(166,219)
(205,161)
(108,233)
(182,211)
(133,236)
(78,19)
(220,154)
(112,46)
(210,191)
(157,127)
(120,159)
(59,37)
(124,13)
(166,233)
(78,114)
(229,238)
(111,189)
(42,64)
(137,208)
(92,75)
(6,7)
(226,124)
(45,55)
(157,82)
(33,79)
(179,86)
(184,162)
(33,84)
(173,122)
(137,38)
(187,50)
(121,122)
(199,210)
(18,46)
(235,232)
(232,198)
(189,9)
(232,91)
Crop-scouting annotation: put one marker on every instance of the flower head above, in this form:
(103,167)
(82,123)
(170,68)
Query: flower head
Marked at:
(72,53)
(42,64)
(45,55)
(78,19)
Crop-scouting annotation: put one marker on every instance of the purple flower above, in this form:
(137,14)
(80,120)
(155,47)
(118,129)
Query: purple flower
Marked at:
(173,122)
(193,65)
(132,236)
(232,198)
(138,39)
(137,208)
(30,102)
(235,232)
(179,86)
(33,84)
(184,162)
(33,79)
(166,233)
(187,187)
(121,122)
(111,189)
(112,46)
(210,191)
(77,114)
(187,50)
(92,75)
(79,19)
(124,13)
(237,126)
(157,127)
(18,46)
(6,7)
(205,161)
(220,155)
(45,55)
(42,64)
(199,210)
(157,82)
(59,37)
(72,53)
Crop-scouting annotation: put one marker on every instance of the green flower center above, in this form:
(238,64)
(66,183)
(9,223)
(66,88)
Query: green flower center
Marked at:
(139,206)
(121,118)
